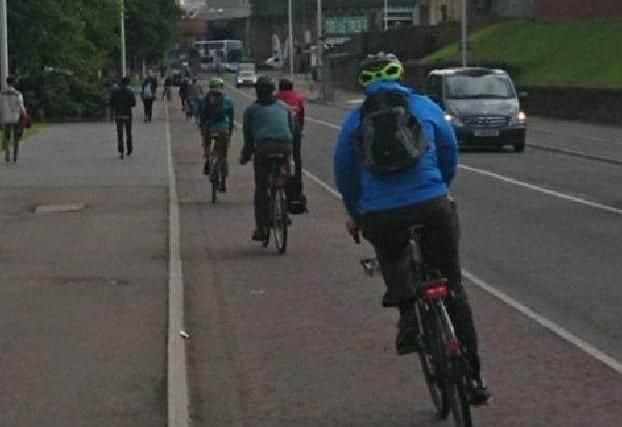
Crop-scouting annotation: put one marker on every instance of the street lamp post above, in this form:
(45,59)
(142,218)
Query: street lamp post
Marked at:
(123,53)
(291,39)
(4,45)
(386,15)
(464,33)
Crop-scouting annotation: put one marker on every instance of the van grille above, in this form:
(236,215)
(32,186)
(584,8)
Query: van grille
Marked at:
(486,121)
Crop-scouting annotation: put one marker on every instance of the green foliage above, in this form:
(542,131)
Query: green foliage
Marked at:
(582,53)
(80,41)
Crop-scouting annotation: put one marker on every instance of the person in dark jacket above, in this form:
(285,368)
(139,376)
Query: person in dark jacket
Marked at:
(384,206)
(148,94)
(268,128)
(122,102)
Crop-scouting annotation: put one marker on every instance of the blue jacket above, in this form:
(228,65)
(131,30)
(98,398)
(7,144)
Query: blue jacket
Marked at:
(363,191)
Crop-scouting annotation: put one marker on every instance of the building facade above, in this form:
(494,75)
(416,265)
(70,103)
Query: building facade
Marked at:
(576,9)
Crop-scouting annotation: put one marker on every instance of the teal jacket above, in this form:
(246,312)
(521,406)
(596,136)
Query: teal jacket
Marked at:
(219,119)
(267,122)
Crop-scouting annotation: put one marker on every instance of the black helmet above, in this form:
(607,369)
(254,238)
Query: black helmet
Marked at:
(264,88)
(286,84)
(265,84)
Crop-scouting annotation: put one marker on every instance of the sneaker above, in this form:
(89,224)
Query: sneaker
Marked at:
(480,395)
(407,340)
(259,235)
(206,167)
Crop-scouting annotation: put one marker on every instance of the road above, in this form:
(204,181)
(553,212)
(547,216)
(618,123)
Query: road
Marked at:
(302,339)
(299,339)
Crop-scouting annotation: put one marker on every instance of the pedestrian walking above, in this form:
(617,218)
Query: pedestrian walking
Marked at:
(13,112)
(123,100)
(148,94)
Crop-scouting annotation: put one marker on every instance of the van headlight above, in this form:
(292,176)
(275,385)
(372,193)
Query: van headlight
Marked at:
(453,120)
(519,119)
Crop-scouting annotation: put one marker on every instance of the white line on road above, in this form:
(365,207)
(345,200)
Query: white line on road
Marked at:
(542,190)
(511,302)
(178,415)
(494,175)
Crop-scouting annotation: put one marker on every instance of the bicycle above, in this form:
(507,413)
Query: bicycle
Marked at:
(441,354)
(218,169)
(278,219)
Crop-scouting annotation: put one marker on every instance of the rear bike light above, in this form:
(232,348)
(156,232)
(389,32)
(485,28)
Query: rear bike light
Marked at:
(436,291)
(453,347)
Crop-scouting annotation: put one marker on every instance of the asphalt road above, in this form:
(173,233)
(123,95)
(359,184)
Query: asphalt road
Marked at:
(302,339)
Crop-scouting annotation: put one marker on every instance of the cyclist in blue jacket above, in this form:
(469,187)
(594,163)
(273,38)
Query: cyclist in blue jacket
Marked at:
(385,194)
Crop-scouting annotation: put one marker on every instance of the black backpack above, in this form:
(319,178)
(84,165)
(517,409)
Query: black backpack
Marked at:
(389,138)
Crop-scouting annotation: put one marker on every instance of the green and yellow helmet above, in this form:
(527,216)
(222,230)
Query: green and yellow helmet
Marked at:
(216,83)
(380,67)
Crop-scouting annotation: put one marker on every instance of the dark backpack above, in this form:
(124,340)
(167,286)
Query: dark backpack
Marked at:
(214,106)
(389,138)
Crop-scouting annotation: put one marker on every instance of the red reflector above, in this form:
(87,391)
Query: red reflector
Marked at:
(453,346)
(436,292)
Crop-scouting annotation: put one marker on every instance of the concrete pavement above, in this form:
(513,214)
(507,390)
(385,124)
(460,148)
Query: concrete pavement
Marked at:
(83,293)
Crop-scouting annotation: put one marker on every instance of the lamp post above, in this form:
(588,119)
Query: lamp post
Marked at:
(291,39)
(123,53)
(464,33)
(386,15)
(4,45)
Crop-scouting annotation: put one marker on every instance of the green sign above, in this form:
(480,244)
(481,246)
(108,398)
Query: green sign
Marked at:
(345,24)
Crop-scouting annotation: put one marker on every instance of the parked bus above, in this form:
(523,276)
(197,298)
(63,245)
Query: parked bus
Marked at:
(219,54)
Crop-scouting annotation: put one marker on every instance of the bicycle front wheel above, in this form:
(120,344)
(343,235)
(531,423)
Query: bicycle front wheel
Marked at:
(279,220)
(214,173)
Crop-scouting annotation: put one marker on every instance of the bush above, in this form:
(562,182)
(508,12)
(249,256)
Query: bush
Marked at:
(61,96)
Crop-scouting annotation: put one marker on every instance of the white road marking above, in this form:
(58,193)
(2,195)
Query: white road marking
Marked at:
(542,189)
(178,411)
(511,302)
(496,176)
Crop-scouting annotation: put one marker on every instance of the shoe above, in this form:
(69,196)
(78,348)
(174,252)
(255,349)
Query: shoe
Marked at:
(479,393)
(223,187)
(121,155)
(206,167)
(259,235)
(129,153)
(407,340)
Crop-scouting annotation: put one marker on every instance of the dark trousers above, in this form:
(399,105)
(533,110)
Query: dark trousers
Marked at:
(12,132)
(148,104)
(297,156)
(388,233)
(124,123)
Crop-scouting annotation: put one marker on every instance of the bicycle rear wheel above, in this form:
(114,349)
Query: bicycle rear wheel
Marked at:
(459,403)
(279,220)
(433,362)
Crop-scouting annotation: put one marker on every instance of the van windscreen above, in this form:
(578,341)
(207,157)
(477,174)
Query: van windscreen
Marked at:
(462,86)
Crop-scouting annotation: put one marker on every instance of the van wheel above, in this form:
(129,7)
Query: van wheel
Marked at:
(519,148)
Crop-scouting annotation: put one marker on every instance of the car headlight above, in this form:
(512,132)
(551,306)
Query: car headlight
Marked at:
(453,119)
(519,119)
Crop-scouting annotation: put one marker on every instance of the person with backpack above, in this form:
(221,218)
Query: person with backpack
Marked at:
(148,94)
(122,102)
(13,111)
(268,129)
(296,199)
(395,160)
(217,115)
